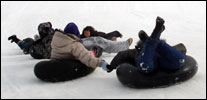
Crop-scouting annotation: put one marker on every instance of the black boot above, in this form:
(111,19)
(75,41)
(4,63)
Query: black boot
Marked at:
(159,28)
(14,38)
(142,35)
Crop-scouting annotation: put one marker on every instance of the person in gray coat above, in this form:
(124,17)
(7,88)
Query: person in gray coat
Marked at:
(39,47)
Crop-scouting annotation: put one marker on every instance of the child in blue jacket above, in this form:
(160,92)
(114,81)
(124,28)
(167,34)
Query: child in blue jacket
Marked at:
(157,52)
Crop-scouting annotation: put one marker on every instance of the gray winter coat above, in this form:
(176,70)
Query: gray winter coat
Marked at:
(41,48)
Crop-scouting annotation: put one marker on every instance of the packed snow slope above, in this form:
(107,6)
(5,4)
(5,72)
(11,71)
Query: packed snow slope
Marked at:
(185,23)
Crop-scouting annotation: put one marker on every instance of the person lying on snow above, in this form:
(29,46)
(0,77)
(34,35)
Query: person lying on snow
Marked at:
(97,41)
(41,48)
(151,53)
(90,31)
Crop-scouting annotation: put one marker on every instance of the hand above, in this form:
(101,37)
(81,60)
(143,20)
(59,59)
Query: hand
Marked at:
(105,66)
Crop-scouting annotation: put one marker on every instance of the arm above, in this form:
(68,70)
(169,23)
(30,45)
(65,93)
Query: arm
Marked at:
(127,56)
(82,54)
(101,34)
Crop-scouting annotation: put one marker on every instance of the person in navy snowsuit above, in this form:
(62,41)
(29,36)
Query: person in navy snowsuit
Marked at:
(151,53)
(158,53)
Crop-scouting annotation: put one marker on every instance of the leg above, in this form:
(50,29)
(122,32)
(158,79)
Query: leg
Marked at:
(143,37)
(14,38)
(25,43)
(21,43)
(147,58)
(114,46)
(107,45)
(126,56)
(159,28)
(178,50)
(146,61)
(170,58)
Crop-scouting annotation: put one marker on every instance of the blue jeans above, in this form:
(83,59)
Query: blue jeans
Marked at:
(23,44)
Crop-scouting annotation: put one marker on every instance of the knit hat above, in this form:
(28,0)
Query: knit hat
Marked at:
(72,28)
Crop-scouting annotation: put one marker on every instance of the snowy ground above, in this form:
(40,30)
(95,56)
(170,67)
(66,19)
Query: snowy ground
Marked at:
(185,22)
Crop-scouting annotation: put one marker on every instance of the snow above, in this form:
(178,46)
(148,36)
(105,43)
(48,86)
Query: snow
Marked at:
(185,22)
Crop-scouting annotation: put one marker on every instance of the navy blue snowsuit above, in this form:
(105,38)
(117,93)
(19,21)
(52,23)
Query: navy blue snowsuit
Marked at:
(158,53)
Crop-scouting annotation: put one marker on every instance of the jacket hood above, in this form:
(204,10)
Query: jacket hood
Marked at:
(72,28)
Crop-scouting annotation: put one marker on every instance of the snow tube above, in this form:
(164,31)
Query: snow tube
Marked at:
(61,70)
(130,76)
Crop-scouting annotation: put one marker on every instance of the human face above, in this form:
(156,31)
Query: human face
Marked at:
(87,33)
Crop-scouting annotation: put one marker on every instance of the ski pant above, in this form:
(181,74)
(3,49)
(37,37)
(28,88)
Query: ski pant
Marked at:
(107,45)
(159,53)
(26,42)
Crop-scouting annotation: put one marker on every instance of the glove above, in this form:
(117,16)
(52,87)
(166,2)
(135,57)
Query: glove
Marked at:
(105,66)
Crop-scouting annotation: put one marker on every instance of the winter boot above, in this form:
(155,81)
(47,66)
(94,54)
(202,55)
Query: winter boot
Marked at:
(159,28)
(130,40)
(14,38)
(142,36)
